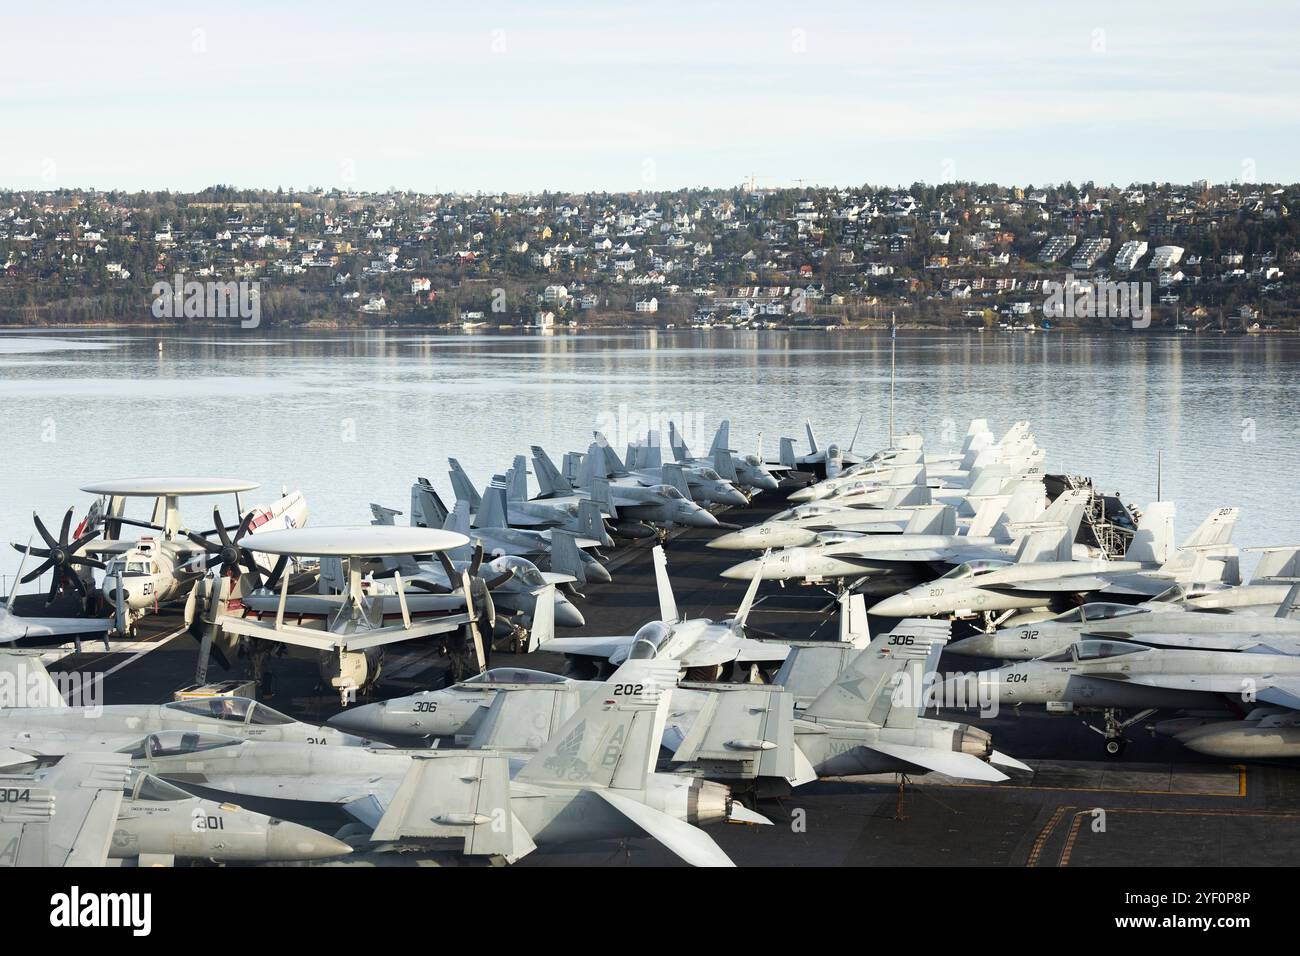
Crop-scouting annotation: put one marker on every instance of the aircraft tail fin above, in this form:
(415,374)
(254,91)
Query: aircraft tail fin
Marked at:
(673,474)
(1214,530)
(331,578)
(1277,564)
(855,626)
(30,683)
(932,519)
(1050,543)
(747,603)
(517,480)
(427,509)
(676,444)
(591,523)
(614,466)
(787,453)
(543,626)
(459,521)
(987,515)
(667,603)
(987,479)
(909,496)
(383,516)
(874,685)
(724,465)
(600,494)
(492,512)
(1068,510)
(1153,541)
(613,739)
(722,438)
(812,439)
(549,480)
(566,558)
(1289,609)
(461,485)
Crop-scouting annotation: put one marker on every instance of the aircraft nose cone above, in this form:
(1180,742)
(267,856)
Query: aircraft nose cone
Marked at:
(743,571)
(702,519)
(366,719)
(803,494)
(731,541)
(567,615)
(766,483)
(735,499)
(899,605)
(597,572)
(982,645)
(291,841)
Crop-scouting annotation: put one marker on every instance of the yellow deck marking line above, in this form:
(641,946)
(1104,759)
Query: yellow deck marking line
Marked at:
(1043,836)
(1166,811)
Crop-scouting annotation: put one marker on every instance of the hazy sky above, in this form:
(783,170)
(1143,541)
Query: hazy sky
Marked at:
(526,96)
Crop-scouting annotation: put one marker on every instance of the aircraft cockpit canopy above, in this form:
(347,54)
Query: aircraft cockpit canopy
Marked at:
(239,710)
(975,568)
(649,641)
(173,743)
(513,675)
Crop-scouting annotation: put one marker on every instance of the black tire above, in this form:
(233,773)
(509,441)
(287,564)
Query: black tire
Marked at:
(1115,747)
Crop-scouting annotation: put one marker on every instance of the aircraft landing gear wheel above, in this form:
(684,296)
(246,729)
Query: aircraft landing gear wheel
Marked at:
(1115,746)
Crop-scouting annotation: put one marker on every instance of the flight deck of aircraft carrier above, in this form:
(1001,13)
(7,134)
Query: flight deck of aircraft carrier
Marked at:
(655,655)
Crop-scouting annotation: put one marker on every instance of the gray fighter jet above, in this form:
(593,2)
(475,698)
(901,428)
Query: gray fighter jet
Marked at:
(861,708)
(747,471)
(703,647)
(1114,676)
(55,728)
(593,779)
(551,549)
(645,463)
(634,511)
(63,815)
(991,586)
(580,516)
(158,823)
(1154,623)
(728,732)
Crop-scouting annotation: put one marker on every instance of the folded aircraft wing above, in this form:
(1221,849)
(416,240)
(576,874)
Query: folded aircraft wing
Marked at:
(64,816)
(463,797)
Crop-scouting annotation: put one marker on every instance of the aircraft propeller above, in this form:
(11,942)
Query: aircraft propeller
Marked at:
(231,556)
(61,556)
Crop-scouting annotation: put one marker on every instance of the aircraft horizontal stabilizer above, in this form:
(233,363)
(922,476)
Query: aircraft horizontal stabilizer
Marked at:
(688,842)
(950,763)
(999,759)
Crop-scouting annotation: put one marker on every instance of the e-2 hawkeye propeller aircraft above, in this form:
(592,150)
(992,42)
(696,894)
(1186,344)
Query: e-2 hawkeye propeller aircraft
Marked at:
(348,631)
(141,575)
